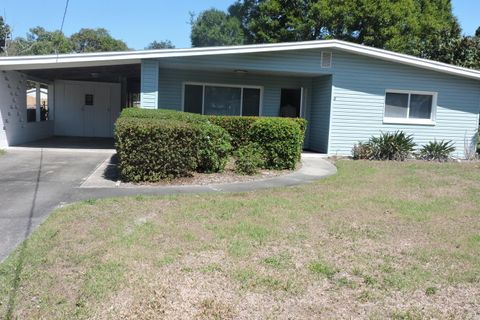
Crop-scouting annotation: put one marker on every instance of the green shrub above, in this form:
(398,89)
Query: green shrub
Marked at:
(214,148)
(237,127)
(362,151)
(281,140)
(151,150)
(162,144)
(391,146)
(162,114)
(248,159)
(437,151)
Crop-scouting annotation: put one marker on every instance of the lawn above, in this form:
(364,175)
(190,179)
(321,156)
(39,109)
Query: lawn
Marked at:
(378,240)
(2,152)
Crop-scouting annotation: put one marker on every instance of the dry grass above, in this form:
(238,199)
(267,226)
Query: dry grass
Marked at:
(378,240)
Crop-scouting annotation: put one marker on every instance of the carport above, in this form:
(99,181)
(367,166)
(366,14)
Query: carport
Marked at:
(43,97)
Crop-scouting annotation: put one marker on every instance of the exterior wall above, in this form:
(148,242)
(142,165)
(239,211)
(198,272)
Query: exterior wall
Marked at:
(149,84)
(171,86)
(320,113)
(13,112)
(359,85)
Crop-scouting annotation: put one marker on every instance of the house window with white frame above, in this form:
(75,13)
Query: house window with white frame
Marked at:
(415,107)
(215,99)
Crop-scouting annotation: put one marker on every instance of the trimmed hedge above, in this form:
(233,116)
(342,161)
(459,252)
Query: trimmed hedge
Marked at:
(151,150)
(281,140)
(237,127)
(161,144)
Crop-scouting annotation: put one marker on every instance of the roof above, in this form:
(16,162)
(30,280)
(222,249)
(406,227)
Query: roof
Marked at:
(132,57)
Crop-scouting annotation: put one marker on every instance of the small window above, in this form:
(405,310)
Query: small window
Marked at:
(221,100)
(409,107)
(37,101)
(89,99)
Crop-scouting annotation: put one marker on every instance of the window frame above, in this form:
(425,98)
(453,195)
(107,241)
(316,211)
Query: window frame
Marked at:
(226,85)
(38,97)
(407,120)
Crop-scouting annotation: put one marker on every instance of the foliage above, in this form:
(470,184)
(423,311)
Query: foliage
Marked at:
(249,158)
(4,34)
(96,40)
(213,149)
(40,41)
(151,149)
(237,127)
(281,140)
(163,144)
(437,151)
(362,151)
(164,44)
(215,28)
(388,146)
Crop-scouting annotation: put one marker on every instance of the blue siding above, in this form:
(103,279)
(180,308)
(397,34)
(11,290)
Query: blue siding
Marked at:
(149,84)
(320,113)
(359,85)
(171,86)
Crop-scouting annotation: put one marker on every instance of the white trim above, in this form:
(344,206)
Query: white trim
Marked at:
(408,120)
(204,84)
(133,57)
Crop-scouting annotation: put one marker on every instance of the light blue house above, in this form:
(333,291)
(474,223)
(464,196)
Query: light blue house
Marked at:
(346,91)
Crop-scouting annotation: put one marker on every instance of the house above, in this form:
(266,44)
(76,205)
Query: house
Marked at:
(346,91)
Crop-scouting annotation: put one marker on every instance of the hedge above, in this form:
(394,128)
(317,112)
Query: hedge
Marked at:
(151,150)
(160,144)
(163,144)
(239,127)
(281,140)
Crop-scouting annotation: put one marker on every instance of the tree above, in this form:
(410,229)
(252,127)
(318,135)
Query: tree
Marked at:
(215,28)
(406,26)
(96,40)
(4,34)
(164,44)
(39,41)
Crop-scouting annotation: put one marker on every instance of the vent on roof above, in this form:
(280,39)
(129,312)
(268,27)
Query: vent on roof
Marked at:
(326,60)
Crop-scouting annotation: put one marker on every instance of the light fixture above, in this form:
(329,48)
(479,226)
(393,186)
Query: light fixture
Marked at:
(240,71)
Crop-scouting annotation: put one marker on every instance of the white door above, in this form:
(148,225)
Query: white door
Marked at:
(86,109)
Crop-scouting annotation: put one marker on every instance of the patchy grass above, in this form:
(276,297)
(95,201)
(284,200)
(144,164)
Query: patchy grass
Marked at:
(378,240)
(2,152)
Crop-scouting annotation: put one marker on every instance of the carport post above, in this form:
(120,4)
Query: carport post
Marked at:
(38,102)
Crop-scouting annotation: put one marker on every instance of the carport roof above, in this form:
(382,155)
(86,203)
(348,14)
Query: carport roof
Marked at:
(135,57)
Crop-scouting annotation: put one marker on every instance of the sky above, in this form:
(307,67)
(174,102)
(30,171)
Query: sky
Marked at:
(140,22)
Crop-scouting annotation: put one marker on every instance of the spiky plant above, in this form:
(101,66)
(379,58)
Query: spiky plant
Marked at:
(391,146)
(437,150)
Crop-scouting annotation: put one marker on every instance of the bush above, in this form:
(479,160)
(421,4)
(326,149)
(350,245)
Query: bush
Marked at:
(391,146)
(237,127)
(213,149)
(151,150)
(249,159)
(281,140)
(362,151)
(164,144)
(437,151)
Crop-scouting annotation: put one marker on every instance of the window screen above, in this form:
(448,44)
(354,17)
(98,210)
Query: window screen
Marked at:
(251,102)
(396,105)
(222,101)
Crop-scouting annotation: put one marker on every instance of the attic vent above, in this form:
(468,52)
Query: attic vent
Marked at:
(326,60)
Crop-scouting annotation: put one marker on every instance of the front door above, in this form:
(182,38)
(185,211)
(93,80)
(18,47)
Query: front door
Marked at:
(290,103)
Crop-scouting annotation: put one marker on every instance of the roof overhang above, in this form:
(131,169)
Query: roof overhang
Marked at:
(134,57)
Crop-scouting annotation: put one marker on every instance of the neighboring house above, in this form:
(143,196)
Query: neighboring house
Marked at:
(347,92)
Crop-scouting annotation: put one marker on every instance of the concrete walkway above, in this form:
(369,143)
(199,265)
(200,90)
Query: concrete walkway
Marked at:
(34,181)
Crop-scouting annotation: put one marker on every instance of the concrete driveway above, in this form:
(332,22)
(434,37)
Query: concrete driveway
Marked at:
(33,183)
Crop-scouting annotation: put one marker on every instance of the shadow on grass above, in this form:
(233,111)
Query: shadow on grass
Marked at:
(21,256)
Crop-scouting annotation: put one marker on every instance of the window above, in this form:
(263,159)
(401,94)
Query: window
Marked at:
(37,101)
(410,107)
(213,99)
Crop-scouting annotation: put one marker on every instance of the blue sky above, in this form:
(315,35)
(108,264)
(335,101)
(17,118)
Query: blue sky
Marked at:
(142,21)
